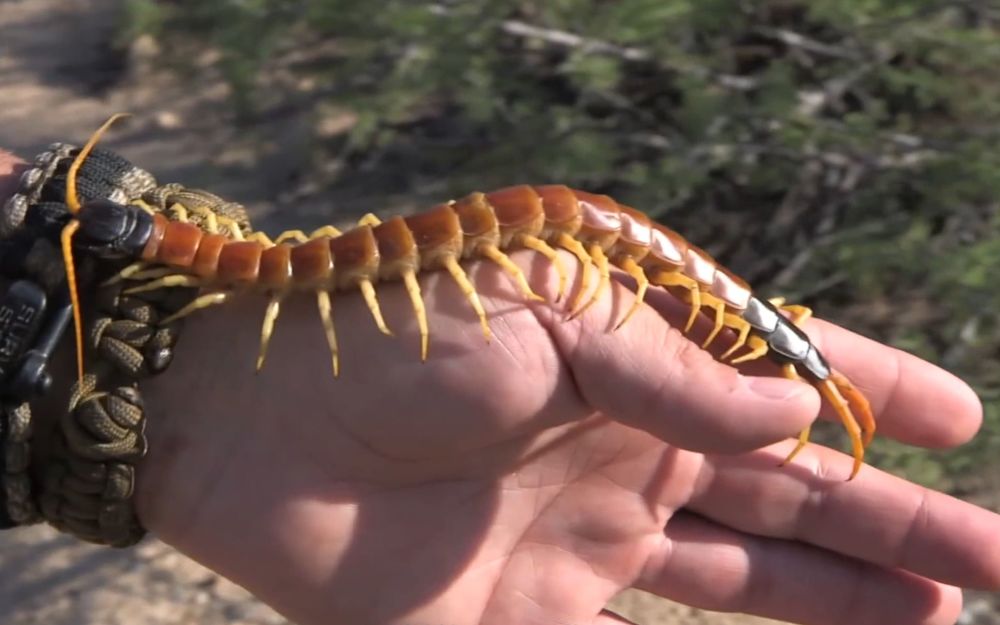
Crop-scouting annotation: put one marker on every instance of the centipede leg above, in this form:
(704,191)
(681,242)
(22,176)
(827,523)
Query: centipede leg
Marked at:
(210,221)
(462,279)
(267,327)
(179,212)
(493,253)
(633,269)
(261,238)
(603,283)
(742,328)
(413,289)
(202,301)
(125,273)
(326,316)
(576,248)
(669,279)
(799,314)
(758,349)
(368,292)
(152,274)
(789,371)
(215,223)
(370,219)
(828,389)
(174,280)
(325,231)
(294,235)
(717,305)
(546,250)
(858,403)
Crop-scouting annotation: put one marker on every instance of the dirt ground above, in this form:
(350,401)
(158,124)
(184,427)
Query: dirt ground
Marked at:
(59,78)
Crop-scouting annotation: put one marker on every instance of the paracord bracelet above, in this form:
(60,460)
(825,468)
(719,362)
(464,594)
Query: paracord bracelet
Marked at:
(30,221)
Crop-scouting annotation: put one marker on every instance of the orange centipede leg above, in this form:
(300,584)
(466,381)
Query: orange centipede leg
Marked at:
(267,328)
(788,370)
(326,316)
(743,333)
(576,248)
(493,253)
(462,279)
(672,278)
(858,403)
(604,282)
(633,269)
(719,307)
(546,250)
(413,290)
(831,393)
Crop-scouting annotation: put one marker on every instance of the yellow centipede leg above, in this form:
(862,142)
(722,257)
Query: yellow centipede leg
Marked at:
(758,349)
(576,248)
(462,279)
(261,238)
(493,253)
(325,231)
(603,283)
(210,221)
(743,332)
(368,291)
(127,272)
(165,282)
(673,278)
(719,307)
(633,269)
(294,235)
(413,289)
(788,370)
(179,212)
(799,314)
(829,391)
(267,327)
(151,274)
(326,316)
(370,219)
(202,301)
(546,250)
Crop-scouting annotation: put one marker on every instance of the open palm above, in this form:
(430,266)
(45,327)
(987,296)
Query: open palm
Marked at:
(530,480)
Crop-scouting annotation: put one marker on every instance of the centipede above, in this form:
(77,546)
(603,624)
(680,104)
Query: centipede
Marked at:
(600,233)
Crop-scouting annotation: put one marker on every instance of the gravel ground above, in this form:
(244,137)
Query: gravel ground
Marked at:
(59,79)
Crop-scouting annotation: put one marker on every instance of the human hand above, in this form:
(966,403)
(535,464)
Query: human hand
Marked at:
(530,480)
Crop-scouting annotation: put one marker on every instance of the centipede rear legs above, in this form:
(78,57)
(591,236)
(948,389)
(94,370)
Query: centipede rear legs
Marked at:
(845,399)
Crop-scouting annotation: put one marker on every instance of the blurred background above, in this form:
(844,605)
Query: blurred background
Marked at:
(844,153)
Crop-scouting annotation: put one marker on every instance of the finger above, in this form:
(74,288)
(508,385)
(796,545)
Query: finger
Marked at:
(877,517)
(916,402)
(708,566)
(649,376)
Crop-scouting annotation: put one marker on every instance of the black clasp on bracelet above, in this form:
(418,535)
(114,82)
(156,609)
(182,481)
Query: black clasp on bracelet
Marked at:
(27,339)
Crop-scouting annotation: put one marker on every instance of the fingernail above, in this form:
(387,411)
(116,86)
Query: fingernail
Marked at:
(776,388)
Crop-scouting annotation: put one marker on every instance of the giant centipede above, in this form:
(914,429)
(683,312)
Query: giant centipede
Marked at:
(599,231)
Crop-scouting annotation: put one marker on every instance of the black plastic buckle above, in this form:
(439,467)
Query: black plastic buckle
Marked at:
(28,336)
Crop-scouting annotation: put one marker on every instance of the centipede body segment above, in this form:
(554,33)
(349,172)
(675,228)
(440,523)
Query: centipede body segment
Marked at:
(598,231)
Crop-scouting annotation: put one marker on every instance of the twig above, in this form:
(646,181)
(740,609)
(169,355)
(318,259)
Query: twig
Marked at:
(797,40)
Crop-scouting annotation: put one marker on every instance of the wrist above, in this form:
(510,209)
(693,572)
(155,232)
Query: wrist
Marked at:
(11,168)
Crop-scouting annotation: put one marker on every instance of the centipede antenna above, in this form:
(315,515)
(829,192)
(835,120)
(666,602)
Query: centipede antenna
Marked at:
(66,237)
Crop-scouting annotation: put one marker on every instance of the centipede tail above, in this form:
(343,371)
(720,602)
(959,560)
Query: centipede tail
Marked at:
(597,230)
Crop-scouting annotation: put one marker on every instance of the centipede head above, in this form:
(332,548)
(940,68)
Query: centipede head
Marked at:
(70,229)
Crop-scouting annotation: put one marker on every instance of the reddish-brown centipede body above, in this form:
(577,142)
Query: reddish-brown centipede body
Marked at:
(596,229)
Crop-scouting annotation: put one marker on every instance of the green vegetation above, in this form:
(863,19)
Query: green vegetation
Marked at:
(842,152)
